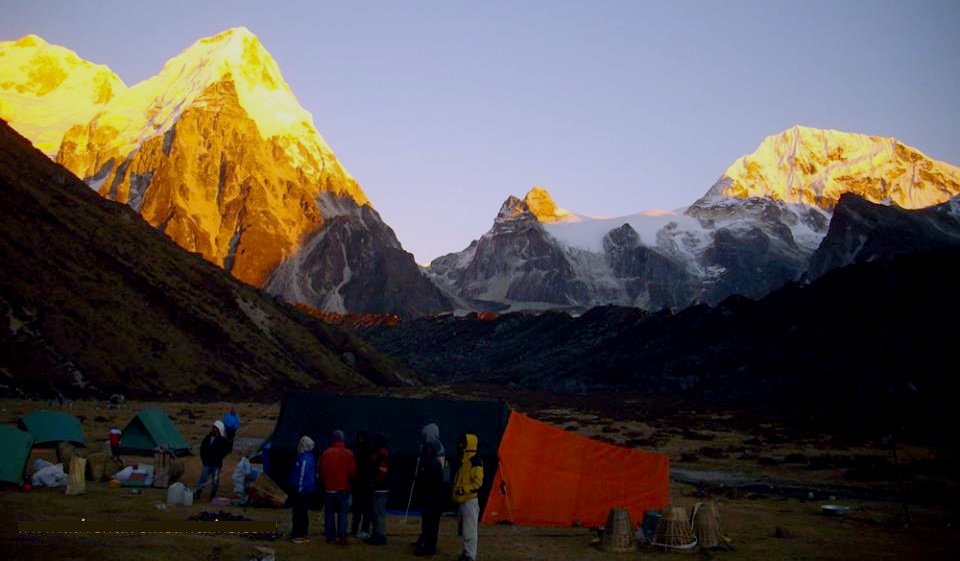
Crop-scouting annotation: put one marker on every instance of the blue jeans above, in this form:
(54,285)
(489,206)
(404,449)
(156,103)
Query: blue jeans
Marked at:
(335,503)
(208,472)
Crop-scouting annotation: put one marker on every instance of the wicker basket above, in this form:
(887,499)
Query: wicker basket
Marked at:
(65,452)
(265,492)
(674,532)
(96,462)
(618,533)
(706,524)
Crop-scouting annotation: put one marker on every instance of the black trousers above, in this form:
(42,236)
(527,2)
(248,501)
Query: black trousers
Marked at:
(362,507)
(430,524)
(300,502)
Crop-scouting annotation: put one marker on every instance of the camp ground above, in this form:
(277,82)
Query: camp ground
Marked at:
(537,474)
(549,495)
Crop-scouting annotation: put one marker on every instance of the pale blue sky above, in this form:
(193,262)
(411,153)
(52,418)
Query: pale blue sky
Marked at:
(442,109)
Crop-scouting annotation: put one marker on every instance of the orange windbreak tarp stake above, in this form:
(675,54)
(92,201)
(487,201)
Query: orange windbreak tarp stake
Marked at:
(550,477)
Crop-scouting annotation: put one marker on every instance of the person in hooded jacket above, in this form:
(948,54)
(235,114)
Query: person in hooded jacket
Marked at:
(302,485)
(431,489)
(213,450)
(466,486)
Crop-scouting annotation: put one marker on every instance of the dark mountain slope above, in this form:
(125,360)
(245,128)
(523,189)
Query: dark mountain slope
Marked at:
(94,300)
(857,338)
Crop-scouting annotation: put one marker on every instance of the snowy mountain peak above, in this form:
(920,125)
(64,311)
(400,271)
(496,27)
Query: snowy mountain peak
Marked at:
(45,89)
(29,40)
(541,205)
(814,167)
(235,55)
(194,79)
(513,209)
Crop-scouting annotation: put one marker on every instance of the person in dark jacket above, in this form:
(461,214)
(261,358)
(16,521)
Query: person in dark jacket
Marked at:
(379,470)
(213,450)
(302,485)
(360,526)
(431,489)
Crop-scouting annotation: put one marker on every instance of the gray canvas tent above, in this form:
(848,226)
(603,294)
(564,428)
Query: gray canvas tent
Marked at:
(15,446)
(51,427)
(401,420)
(151,429)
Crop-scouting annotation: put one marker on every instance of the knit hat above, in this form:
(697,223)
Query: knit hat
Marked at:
(337,436)
(220,427)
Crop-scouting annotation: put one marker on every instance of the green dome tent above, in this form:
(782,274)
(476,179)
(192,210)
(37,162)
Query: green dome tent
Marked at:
(152,429)
(50,427)
(15,446)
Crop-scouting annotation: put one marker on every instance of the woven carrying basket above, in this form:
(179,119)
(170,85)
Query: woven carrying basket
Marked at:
(65,452)
(96,462)
(706,524)
(618,533)
(265,492)
(673,531)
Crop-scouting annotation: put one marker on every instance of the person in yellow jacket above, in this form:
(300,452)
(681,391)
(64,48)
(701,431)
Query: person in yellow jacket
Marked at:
(466,486)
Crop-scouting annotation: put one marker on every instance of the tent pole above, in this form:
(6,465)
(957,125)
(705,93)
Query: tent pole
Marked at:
(412,485)
(506,495)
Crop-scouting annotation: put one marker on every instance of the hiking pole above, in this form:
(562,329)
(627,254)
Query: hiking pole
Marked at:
(412,485)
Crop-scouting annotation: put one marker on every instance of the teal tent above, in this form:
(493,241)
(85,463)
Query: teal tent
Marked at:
(50,427)
(151,429)
(15,446)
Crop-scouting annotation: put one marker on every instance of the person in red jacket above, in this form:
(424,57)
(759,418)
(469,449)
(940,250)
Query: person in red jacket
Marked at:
(337,470)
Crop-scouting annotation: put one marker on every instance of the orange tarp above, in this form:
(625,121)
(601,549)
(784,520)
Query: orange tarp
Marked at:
(550,477)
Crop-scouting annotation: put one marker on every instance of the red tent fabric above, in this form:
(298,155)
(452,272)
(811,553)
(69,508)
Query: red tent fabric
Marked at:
(550,477)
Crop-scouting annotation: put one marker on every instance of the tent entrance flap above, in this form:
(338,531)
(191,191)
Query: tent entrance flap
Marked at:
(551,477)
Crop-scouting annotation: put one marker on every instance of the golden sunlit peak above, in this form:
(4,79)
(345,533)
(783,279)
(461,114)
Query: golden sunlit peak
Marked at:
(234,33)
(541,204)
(30,40)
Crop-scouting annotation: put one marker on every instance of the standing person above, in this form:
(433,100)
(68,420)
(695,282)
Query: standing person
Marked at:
(302,484)
(379,469)
(212,451)
(338,467)
(466,486)
(114,436)
(430,486)
(232,423)
(360,526)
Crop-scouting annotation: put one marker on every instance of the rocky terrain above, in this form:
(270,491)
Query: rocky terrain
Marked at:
(860,338)
(93,300)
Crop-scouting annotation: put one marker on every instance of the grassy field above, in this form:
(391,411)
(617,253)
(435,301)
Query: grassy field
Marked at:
(763,522)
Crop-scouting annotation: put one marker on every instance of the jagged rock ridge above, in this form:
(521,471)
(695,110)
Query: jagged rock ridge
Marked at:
(216,152)
(753,231)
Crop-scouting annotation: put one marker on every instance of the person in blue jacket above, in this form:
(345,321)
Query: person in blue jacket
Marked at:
(303,479)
